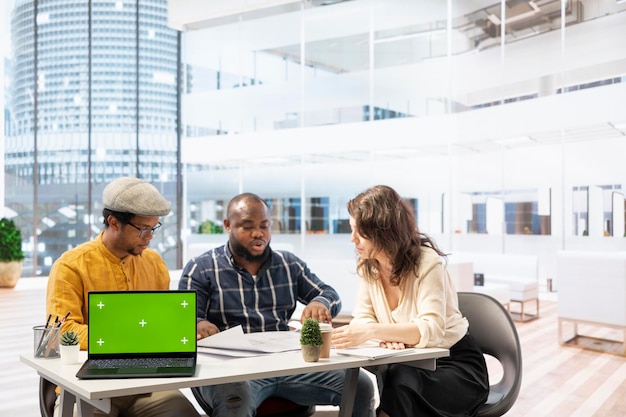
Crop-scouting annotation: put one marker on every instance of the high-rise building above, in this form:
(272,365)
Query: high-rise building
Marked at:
(92,96)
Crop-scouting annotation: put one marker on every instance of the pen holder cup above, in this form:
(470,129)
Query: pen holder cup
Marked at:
(46,341)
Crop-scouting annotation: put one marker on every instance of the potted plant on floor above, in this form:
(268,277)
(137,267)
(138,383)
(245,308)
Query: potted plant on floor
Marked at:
(69,347)
(311,340)
(11,253)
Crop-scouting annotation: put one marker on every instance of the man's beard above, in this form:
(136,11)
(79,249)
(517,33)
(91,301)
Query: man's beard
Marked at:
(135,252)
(240,250)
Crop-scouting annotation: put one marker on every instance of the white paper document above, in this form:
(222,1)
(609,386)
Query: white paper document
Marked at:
(373,352)
(234,339)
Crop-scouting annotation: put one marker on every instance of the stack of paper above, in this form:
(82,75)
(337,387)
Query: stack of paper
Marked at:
(234,342)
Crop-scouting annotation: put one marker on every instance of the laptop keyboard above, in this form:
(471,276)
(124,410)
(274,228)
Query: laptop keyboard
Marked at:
(140,363)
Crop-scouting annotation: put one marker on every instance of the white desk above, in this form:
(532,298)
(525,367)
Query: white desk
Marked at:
(211,370)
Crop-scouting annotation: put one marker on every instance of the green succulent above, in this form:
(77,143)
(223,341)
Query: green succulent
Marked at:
(310,334)
(69,338)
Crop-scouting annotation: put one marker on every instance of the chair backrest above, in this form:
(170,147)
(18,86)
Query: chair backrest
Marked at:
(47,397)
(494,331)
(271,407)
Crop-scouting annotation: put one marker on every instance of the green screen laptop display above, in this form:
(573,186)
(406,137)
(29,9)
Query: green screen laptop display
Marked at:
(140,322)
(140,334)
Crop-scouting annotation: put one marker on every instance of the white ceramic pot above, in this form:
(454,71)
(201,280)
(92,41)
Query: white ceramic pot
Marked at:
(69,354)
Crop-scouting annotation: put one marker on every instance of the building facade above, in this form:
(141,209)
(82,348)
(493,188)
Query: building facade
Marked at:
(92,96)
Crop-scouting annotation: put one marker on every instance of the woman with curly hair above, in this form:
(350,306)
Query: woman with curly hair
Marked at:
(406,299)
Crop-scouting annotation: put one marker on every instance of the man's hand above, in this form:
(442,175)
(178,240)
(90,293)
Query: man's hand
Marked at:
(206,329)
(318,311)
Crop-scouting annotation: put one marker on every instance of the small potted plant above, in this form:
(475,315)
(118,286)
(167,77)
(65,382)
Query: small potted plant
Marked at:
(69,347)
(11,254)
(311,340)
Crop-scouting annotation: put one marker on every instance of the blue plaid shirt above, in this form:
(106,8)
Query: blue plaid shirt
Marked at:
(228,295)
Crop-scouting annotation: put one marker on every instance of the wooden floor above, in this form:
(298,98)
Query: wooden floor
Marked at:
(558,380)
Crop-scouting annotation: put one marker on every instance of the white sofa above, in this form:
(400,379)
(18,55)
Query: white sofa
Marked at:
(462,276)
(518,273)
(592,290)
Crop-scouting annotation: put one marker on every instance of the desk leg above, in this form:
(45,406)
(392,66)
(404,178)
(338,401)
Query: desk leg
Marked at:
(349,391)
(85,409)
(66,404)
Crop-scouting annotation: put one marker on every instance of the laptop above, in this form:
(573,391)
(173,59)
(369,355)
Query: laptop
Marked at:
(140,334)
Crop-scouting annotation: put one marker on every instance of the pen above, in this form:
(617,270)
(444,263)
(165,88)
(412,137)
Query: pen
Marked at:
(63,319)
(46,342)
(53,337)
(45,346)
(45,330)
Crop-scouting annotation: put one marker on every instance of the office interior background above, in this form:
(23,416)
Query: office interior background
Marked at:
(503,123)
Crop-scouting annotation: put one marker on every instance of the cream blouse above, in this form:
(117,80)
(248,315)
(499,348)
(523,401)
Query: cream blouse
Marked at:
(428,300)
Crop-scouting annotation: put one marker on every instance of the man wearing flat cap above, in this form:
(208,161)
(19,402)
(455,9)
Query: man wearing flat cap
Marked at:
(118,259)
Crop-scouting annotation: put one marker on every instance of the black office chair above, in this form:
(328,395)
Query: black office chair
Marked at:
(47,397)
(492,327)
(272,407)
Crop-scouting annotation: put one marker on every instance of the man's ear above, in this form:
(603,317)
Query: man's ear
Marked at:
(226,224)
(114,224)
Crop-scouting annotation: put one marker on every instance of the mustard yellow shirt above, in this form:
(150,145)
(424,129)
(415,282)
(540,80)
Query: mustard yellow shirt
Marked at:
(91,266)
(428,300)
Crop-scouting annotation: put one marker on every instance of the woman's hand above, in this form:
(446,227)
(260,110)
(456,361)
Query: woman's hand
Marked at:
(357,333)
(394,345)
(351,335)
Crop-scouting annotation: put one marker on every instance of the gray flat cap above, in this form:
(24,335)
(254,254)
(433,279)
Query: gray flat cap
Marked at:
(132,195)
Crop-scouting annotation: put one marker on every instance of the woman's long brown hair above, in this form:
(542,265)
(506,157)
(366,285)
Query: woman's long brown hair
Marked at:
(384,218)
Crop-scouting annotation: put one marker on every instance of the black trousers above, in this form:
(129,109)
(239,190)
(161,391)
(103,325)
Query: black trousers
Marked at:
(457,388)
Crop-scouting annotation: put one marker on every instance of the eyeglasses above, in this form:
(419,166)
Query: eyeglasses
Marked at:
(147,231)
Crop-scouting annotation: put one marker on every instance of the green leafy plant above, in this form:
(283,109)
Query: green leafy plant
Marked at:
(310,334)
(10,241)
(208,227)
(69,338)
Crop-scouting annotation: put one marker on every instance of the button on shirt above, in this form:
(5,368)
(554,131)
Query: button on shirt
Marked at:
(228,295)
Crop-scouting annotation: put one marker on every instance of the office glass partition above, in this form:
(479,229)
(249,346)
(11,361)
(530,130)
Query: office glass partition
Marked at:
(79,75)
(46,137)
(319,102)
(514,134)
(240,82)
(414,49)
(156,101)
(334,64)
(18,126)
(415,65)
